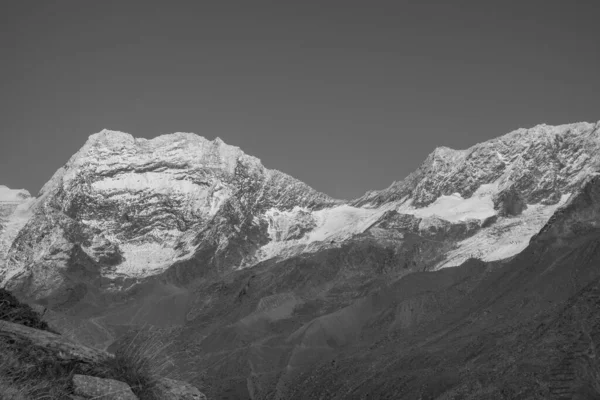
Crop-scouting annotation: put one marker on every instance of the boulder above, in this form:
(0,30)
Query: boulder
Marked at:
(64,349)
(177,390)
(91,387)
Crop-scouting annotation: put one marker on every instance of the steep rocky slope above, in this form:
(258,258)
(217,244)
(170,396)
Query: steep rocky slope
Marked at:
(376,328)
(526,329)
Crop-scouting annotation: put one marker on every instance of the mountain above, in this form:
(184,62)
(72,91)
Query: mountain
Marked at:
(257,278)
(125,208)
(527,329)
(538,165)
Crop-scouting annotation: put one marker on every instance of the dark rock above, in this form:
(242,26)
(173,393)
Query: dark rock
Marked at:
(62,347)
(509,203)
(489,221)
(13,310)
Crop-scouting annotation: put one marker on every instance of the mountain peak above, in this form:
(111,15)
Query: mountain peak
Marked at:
(541,163)
(136,206)
(117,139)
(176,152)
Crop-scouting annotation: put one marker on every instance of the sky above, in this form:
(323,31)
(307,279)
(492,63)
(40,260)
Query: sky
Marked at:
(347,96)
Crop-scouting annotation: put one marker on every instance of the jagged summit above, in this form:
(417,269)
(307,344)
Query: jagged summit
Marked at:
(182,148)
(133,207)
(109,137)
(542,163)
(166,161)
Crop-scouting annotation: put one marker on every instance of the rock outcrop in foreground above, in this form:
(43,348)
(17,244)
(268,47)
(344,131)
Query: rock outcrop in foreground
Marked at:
(88,362)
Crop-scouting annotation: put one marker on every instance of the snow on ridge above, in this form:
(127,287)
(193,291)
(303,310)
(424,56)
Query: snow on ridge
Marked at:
(504,239)
(145,181)
(8,195)
(181,145)
(15,221)
(341,222)
(145,259)
(455,208)
(331,227)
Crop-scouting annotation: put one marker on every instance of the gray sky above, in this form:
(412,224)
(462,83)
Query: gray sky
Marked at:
(345,95)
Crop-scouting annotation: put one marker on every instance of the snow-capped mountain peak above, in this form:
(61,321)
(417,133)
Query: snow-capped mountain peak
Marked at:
(136,206)
(540,163)
(125,208)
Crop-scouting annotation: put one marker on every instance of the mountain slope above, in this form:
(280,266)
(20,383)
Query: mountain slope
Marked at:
(256,277)
(528,329)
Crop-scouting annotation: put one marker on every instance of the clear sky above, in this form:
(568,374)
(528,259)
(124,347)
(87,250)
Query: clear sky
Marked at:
(345,95)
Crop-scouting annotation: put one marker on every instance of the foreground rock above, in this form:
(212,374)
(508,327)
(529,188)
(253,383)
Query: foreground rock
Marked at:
(62,347)
(177,390)
(88,362)
(90,387)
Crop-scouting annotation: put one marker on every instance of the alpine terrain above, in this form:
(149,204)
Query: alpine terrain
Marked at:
(475,277)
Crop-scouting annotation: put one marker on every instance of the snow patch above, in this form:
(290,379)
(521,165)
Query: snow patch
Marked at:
(145,259)
(504,239)
(201,198)
(155,181)
(8,195)
(454,208)
(332,226)
(15,211)
(342,222)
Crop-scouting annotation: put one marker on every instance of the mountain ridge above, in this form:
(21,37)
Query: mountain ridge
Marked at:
(133,207)
(257,278)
